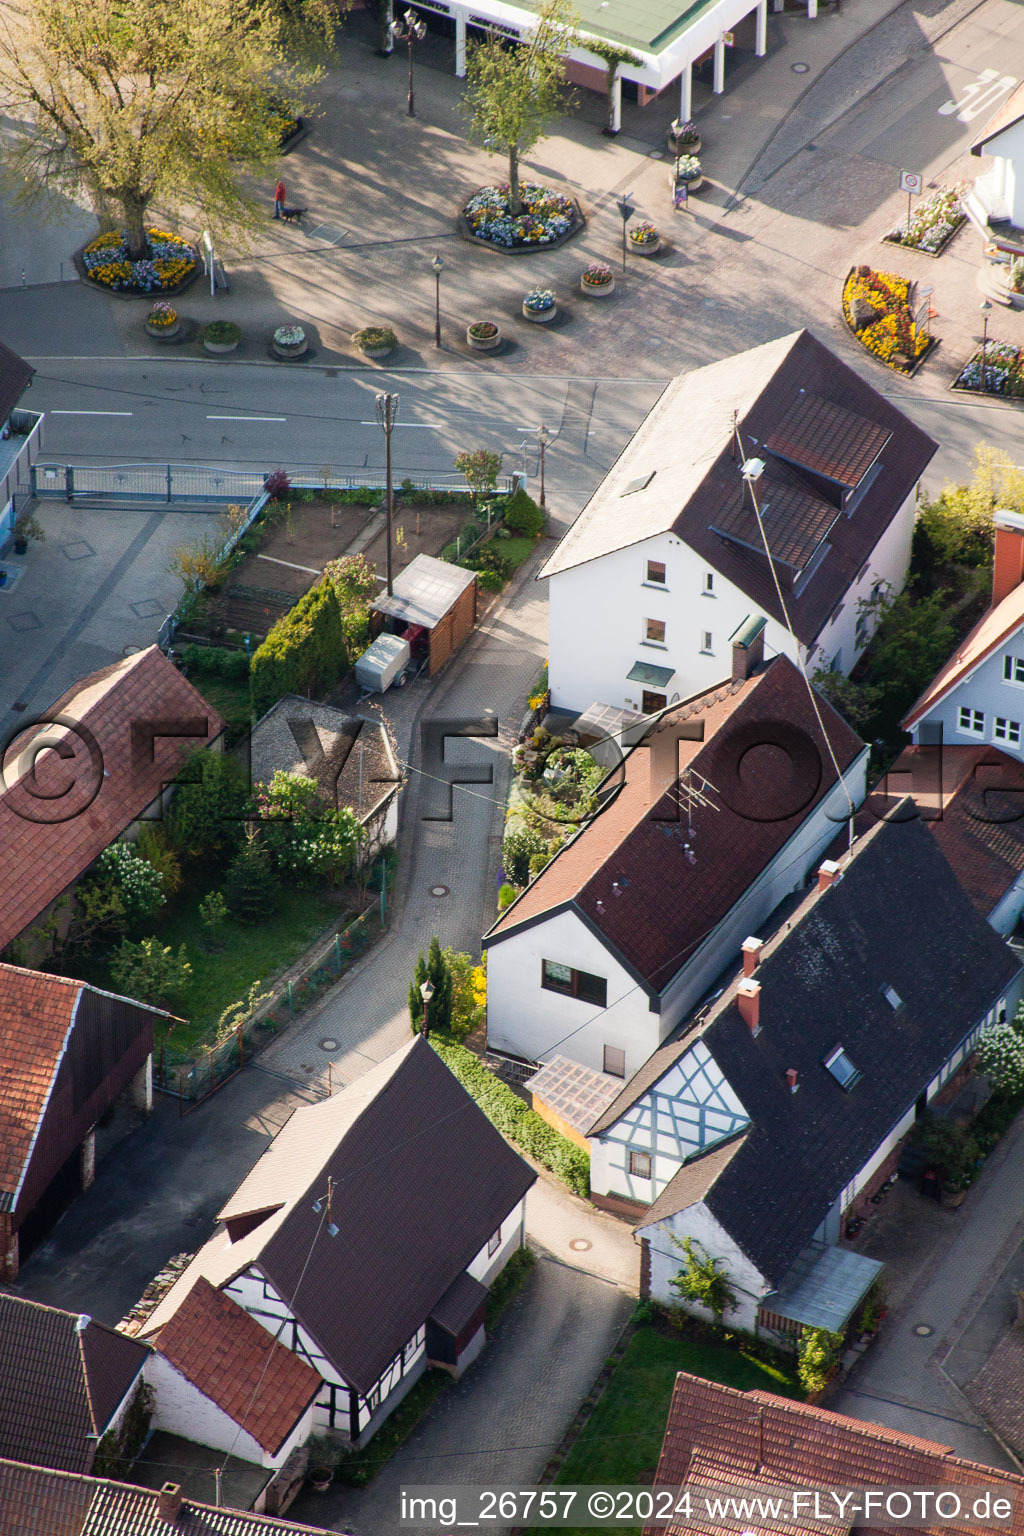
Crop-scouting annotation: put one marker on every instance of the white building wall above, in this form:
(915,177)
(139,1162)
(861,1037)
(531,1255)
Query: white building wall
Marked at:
(1007,150)
(987,691)
(745,1280)
(181,1409)
(890,560)
(513,1234)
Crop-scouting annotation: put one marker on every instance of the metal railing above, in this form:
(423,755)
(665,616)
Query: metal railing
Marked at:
(202,483)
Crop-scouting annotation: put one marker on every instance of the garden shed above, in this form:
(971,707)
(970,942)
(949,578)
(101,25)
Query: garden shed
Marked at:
(437,598)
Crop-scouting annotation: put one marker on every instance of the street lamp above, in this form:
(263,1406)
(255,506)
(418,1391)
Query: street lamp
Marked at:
(387,410)
(415,32)
(985,311)
(626,210)
(543,437)
(676,128)
(438,267)
(427,991)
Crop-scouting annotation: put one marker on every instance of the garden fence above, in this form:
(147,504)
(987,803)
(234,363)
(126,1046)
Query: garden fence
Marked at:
(194,1079)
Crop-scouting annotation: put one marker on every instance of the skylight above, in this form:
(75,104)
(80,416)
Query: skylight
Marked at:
(892,997)
(639,484)
(843,1069)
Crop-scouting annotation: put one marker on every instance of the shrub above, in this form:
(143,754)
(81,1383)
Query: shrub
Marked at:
(469,534)
(437,969)
(523,1126)
(817,1354)
(277,484)
(522,515)
(372,337)
(1001,1058)
(490,581)
(207,811)
(220,332)
(305,651)
(481,469)
(215,661)
(153,846)
(450,553)
(121,869)
(150,971)
(506,896)
(518,848)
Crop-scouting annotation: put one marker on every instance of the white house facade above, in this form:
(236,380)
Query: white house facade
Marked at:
(181,1409)
(1000,189)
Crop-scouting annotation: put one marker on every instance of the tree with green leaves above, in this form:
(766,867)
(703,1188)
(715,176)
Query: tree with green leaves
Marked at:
(251,882)
(612,56)
(912,638)
(481,468)
(213,913)
(702,1279)
(208,810)
(142,102)
(436,969)
(151,972)
(817,1353)
(958,524)
(514,91)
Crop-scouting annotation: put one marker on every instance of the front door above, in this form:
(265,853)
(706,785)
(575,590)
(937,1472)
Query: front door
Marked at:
(652,702)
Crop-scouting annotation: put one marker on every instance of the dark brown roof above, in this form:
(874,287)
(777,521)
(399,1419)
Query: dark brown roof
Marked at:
(751,1436)
(794,519)
(15,374)
(463,1298)
(117,770)
(693,1181)
(35,1501)
(825,437)
(63,1377)
(669,904)
(233,1361)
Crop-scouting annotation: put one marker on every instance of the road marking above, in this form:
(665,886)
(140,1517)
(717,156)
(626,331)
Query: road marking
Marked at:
(91,413)
(247,418)
(412,426)
(980,96)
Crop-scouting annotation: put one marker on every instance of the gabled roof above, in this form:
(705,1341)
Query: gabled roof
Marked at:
(62,1377)
(667,903)
(970,799)
(238,1365)
(349,757)
(420,1179)
(897,919)
(1011,112)
(15,375)
(35,1501)
(37,1012)
(120,763)
(992,630)
(742,1438)
(425,591)
(815,406)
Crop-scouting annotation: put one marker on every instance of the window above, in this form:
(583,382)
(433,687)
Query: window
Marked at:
(709,583)
(842,1068)
(654,629)
(614,1061)
(1006,730)
(571,983)
(639,484)
(892,997)
(971,720)
(656,572)
(705,640)
(493,1243)
(650,703)
(640,1165)
(1013,669)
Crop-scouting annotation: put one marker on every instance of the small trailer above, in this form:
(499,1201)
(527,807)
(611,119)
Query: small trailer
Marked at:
(384,661)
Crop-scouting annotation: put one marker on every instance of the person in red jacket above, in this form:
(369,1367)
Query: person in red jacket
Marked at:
(279,199)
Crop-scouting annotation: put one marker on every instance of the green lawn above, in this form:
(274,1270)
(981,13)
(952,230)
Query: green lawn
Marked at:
(230,698)
(517,550)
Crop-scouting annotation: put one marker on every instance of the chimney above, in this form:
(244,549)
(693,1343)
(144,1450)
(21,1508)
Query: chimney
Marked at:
(1008,567)
(828,873)
(168,1503)
(791,1078)
(751,955)
(747,648)
(748,1000)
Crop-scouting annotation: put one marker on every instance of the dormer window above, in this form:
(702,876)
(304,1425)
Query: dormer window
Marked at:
(842,1069)
(892,997)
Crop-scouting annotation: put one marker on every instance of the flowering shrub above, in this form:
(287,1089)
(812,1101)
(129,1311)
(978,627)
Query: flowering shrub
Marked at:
(372,337)
(289,335)
(645,233)
(170,260)
(306,840)
(893,333)
(1001,1057)
(539,300)
(483,330)
(1000,372)
(932,223)
(546,215)
(139,885)
(685,133)
(597,275)
(687,168)
(162,316)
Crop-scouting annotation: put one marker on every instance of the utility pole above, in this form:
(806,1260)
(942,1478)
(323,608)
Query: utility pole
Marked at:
(387,410)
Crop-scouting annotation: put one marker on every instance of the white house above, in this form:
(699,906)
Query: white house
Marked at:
(667,560)
(365,1239)
(1000,190)
(776,1113)
(723,810)
(21,439)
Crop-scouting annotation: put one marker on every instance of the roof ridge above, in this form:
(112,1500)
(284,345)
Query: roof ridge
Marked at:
(80,1336)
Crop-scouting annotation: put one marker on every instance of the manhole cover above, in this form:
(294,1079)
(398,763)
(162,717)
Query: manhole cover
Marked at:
(922,1330)
(581,1244)
(655,154)
(799,69)
(328,1044)
(439,890)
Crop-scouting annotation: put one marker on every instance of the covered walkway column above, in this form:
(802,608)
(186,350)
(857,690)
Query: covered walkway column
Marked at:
(616,122)
(812,8)
(719,80)
(761,43)
(460,44)
(686,92)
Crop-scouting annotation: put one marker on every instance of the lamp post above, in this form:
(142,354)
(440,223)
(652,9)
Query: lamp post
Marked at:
(387,410)
(676,130)
(543,437)
(438,267)
(426,992)
(415,32)
(985,311)
(626,210)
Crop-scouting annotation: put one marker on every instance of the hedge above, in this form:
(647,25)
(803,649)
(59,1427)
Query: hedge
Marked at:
(523,515)
(521,1125)
(304,652)
(215,661)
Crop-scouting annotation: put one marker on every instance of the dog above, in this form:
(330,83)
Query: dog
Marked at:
(292,215)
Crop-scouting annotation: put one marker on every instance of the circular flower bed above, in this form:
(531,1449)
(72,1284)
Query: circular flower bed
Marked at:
(162,317)
(876,307)
(289,336)
(597,279)
(644,233)
(687,168)
(546,217)
(170,261)
(222,336)
(539,305)
(483,335)
(375,340)
(1001,372)
(684,134)
(933,223)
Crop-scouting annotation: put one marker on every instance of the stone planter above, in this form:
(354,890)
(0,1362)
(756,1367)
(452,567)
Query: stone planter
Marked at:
(483,343)
(540,316)
(296,350)
(163,332)
(693,185)
(951,1198)
(693,148)
(648,248)
(320,1478)
(376,352)
(598,290)
(219,346)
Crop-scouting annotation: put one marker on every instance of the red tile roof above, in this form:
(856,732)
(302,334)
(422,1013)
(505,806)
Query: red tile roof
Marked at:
(756,1436)
(98,778)
(238,1365)
(828,439)
(994,626)
(35,1021)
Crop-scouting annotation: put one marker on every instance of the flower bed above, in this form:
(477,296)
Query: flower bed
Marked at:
(876,307)
(644,233)
(171,262)
(932,224)
(163,316)
(598,275)
(1003,370)
(539,301)
(687,168)
(547,217)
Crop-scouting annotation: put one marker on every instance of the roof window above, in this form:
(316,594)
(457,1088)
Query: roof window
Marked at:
(639,484)
(892,997)
(843,1069)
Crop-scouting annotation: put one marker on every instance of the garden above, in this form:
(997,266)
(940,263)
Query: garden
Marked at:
(932,224)
(169,264)
(546,217)
(997,369)
(878,309)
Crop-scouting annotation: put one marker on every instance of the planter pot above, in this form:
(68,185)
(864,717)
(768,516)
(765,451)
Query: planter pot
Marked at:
(540,316)
(951,1198)
(651,248)
(163,332)
(685,149)
(376,351)
(21,546)
(219,346)
(598,290)
(693,185)
(483,343)
(295,350)
(320,1478)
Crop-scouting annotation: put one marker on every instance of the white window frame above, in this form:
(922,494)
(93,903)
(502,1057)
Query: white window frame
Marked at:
(707,643)
(975,717)
(1004,729)
(650,639)
(635,1173)
(661,584)
(1013,669)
